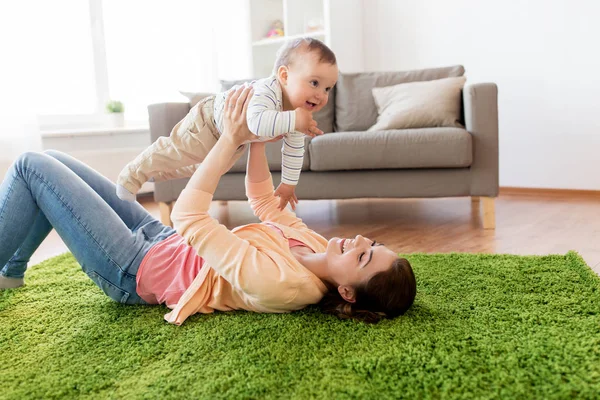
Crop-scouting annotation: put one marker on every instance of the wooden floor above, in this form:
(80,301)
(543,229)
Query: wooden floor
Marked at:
(526,223)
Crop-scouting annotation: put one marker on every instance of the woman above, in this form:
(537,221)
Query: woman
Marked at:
(279,265)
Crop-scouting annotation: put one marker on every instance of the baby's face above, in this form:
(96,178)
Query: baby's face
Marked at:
(309,82)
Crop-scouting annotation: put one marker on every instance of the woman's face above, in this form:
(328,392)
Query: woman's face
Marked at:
(354,261)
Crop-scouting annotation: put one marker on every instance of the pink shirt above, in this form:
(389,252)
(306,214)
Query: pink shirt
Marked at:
(292,242)
(169,268)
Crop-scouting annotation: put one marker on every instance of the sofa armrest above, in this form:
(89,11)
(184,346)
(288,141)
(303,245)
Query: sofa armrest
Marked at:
(481,120)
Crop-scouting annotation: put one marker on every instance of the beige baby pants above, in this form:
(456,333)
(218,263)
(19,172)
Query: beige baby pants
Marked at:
(176,156)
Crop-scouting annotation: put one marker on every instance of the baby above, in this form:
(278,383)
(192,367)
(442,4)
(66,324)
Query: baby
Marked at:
(305,71)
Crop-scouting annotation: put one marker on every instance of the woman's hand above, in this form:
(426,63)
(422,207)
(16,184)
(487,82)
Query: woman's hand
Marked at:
(235,127)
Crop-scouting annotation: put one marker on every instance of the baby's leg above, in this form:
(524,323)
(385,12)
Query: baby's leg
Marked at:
(189,143)
(186,172)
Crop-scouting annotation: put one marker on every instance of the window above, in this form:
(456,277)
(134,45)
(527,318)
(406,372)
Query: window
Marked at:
(155,48)
(61,38)
(138,52)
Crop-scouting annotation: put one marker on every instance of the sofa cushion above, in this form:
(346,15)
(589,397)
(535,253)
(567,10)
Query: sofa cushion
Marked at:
(419,104)
(226,85)
(355,108)
(324,117)
(273,151)
(392,149)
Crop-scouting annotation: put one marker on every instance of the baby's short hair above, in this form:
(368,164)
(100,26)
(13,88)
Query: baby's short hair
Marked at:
(286,54)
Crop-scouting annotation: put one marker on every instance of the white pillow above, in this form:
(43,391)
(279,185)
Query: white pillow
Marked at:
(419,104)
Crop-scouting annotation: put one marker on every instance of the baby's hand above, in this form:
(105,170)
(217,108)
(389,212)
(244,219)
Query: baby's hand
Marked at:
(305,123)
(286,195)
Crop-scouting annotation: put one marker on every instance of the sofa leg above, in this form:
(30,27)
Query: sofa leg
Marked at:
(165,212)
(489,213)
(475,199)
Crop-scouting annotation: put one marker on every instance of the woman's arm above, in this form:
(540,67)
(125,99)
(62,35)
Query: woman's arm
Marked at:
(260,190)
(257,167)
(235,259)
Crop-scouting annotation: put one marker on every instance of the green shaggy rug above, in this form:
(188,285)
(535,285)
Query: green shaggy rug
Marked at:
(483,326)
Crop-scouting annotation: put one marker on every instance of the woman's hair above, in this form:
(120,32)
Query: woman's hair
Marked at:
(288,53)
(386,295)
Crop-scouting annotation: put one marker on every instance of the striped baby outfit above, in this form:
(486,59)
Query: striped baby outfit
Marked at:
(267,120)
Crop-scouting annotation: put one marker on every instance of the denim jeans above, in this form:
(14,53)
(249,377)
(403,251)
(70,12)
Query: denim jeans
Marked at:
(109,237)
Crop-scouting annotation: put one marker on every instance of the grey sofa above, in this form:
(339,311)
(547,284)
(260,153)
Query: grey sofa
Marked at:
(348,162)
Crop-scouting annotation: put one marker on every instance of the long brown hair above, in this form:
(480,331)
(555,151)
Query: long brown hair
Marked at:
(386,295)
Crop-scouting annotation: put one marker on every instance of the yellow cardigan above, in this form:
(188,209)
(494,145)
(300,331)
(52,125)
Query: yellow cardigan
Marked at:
(250,267)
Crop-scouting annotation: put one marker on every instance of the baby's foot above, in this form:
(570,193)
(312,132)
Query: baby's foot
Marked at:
(10,283)
(125,194)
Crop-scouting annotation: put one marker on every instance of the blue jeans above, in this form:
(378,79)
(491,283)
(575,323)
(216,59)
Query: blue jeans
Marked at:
(109,237)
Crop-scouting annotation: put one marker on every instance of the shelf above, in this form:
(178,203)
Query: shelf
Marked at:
(281,39)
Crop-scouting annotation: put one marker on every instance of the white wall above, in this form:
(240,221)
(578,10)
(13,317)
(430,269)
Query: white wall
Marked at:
(544,57)
(346,38)
(234,44)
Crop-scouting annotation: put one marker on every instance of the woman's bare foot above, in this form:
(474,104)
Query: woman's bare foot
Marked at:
(10,283)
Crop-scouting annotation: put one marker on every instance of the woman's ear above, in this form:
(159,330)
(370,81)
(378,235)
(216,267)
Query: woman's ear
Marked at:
(282,74)
(347,293)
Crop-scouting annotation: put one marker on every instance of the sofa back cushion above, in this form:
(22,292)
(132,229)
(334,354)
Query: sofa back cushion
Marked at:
(195,97)
(324,117)
(355,108)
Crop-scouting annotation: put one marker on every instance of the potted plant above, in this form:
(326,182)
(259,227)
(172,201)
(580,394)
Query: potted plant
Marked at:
(116,116)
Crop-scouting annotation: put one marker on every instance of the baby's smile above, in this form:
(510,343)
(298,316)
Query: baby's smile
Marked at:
(310,105)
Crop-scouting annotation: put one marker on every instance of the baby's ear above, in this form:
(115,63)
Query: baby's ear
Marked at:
(282,74)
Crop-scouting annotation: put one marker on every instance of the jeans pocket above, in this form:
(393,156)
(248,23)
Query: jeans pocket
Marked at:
(109,289)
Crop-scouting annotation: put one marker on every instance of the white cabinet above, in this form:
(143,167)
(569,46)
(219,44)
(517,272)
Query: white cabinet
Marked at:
(338,23)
